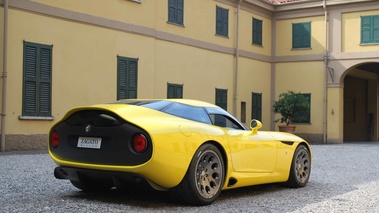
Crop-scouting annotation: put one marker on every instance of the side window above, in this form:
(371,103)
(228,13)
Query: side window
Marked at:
(187,112)
(301,35)
(174,90)
(175,11)
(37,71)
(222,98)
(256,109)
(257,32)
(223,121)
(222,21)
(370,29)
(127,70)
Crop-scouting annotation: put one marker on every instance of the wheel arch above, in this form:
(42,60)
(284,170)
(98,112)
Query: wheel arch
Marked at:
(223,152)
(308,147)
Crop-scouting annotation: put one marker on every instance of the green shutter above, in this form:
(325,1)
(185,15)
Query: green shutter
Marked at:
(179,12)
(222,21)
(171,10)
(218,21)
(127,77)
(30,80)
(301,35)
(222,98)
(366,30)
(37,79)
(121,78)
(304,117)
(256,106)
(45,82)
(306,35)
(174,90)
(132,78)
(175,11)
(257,31)
(375,33)
(225,22)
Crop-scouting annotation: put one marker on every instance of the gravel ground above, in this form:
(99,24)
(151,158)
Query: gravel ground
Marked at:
(345,178)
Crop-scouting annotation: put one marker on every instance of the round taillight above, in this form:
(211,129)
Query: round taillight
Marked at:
(139,143)
(55,139)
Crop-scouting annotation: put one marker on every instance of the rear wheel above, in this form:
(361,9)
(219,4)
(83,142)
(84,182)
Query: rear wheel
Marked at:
(300,168)
(204,179)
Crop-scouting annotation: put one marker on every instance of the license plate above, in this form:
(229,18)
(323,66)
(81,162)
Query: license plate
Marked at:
(89,142)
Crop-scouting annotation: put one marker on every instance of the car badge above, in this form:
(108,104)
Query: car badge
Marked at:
(88,128)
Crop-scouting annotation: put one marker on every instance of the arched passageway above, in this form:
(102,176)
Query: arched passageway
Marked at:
(361,103)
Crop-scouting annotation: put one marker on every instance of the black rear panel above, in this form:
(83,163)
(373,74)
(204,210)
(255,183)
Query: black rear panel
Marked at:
(116,138)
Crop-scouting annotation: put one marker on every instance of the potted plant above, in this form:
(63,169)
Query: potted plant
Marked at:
(290,105)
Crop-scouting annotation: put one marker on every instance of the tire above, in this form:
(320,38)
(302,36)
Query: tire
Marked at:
(300,168)
(204,179)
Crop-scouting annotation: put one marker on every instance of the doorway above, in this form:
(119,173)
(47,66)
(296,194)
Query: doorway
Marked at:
(361,99)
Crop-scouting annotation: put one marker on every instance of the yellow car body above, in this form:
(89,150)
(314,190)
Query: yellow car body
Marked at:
(248,156)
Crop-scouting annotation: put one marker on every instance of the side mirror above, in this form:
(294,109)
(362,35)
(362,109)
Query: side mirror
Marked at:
(255,125)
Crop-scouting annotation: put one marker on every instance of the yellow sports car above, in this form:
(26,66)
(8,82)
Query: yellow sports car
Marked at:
(191,148)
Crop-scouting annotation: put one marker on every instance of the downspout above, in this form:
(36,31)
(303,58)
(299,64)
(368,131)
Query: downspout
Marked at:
(326,61)
(4,77)
(235,92)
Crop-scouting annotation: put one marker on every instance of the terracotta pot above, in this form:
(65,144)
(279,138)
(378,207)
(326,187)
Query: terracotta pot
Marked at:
(289,128)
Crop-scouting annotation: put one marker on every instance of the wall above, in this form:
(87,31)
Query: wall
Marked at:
(351,24)
(85,50)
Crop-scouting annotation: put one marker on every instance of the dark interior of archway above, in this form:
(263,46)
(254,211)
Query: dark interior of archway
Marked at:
(370,67)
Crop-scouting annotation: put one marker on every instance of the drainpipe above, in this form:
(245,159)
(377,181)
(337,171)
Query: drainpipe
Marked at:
(326,61)
(235,92)
(4,77)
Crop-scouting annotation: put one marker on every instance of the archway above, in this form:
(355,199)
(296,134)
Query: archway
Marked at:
(361,102)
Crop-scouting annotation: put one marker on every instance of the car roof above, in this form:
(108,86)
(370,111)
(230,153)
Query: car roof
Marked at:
(190,102)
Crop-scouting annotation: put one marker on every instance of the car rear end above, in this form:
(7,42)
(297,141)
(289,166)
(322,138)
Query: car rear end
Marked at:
(97,142)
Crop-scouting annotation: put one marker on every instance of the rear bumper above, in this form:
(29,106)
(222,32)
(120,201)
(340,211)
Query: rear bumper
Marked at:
(111,178)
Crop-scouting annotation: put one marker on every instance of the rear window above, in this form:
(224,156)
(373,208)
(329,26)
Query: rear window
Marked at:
(188,112)
(94,117)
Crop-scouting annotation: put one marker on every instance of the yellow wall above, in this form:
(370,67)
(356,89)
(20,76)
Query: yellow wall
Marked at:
(254,77)
(85,57)
(200,72)
(84,69)
(199,22)
(304,77)
(123,11)
(351,27)
(284,36)
(245,42)
(85,66)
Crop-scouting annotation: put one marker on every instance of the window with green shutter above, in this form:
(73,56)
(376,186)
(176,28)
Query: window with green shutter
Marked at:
(37,73)
(222,98)
(370,29)
(301,35)
(256,109)
(127,73)
(174,90)
(175,11)
(222,21)
(257,32)
(305,116)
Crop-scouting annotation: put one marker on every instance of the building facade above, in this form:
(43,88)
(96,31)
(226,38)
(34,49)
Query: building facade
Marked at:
(238,54)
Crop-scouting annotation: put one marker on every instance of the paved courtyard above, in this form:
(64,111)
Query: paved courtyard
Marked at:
(344,178)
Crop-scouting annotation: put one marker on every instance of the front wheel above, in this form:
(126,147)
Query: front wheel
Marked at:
(204,179)
(300,168)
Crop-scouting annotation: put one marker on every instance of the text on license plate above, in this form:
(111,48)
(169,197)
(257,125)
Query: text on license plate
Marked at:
(89,142)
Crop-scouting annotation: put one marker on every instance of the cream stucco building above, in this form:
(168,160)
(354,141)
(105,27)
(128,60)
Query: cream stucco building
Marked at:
(238,54)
